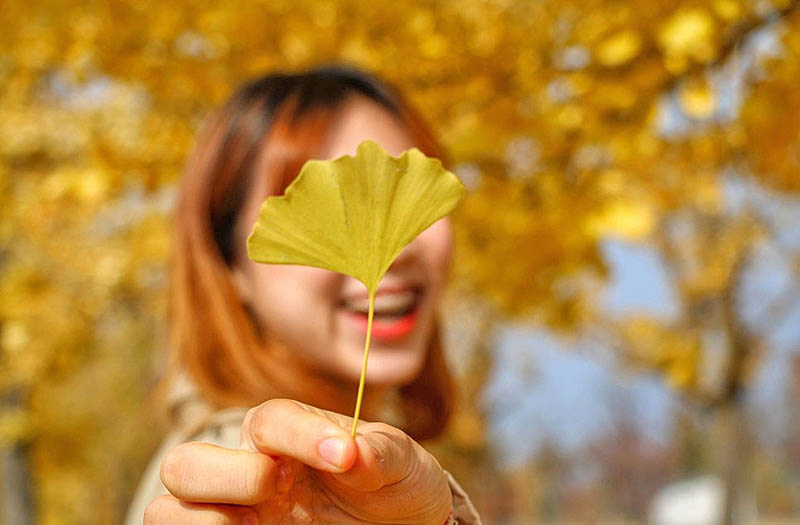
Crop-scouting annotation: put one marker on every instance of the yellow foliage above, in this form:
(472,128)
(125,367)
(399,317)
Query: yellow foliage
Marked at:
(619,49)
(99,103)
(629,220)
(728,9)
(673,351)
(689,34)
(15,426)
(698,99)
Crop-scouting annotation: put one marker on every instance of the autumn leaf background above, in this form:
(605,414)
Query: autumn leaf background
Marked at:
(588,133)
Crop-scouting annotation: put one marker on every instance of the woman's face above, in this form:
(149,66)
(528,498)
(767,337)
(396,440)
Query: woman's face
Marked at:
(319,315)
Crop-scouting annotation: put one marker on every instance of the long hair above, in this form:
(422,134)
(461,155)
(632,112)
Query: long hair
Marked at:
(269,128)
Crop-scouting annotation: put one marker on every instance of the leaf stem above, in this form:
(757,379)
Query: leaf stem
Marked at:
(364,365)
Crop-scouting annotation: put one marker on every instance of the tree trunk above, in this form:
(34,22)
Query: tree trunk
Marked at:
(734,464)
(16,503)
(735,439)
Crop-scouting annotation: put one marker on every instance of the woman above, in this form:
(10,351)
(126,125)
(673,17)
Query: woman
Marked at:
(287,340)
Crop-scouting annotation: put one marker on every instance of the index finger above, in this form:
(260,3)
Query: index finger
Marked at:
(311,436)
(205,473)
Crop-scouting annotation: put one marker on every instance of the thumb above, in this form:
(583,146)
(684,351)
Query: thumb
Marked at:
(386,455)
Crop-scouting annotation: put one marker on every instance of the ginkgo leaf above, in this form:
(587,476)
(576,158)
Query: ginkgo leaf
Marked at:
(354,215)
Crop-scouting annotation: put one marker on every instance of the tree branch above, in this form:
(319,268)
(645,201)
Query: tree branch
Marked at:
(745,31)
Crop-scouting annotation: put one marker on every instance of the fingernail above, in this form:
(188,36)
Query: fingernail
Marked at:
(250,519)
(332,451)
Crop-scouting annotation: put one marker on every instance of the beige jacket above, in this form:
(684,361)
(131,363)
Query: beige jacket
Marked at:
(223,428)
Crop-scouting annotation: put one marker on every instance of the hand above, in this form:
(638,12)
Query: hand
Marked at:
(297,465)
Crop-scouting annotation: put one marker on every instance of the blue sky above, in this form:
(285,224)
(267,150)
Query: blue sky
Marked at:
(543,388)
(563,395)
(547,389)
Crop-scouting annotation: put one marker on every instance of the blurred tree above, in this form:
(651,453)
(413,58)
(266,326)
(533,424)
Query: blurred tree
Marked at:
(571,121)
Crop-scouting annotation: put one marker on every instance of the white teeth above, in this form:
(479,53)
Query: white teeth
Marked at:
(385,304)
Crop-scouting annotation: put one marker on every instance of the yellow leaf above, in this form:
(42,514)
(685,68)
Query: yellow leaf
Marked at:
(433,46)
(728,9)
(626,219)
(681,372)
(354,215)
(698,99)
(570,117)
(14,337)
(619,49)
(15,426)
(688,33)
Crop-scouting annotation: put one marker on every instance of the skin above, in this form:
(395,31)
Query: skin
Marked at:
(282,477)
(300,306)
(298,464)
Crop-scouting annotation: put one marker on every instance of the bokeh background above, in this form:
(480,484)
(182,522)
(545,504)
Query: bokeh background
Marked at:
(624,313)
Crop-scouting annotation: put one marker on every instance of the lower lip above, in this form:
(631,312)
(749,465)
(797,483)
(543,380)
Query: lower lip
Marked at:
(386,329)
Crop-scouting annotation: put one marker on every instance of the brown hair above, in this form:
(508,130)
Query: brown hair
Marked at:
(269,127)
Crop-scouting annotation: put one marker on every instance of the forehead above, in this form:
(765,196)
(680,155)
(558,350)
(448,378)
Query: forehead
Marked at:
(357,120)
(360,119)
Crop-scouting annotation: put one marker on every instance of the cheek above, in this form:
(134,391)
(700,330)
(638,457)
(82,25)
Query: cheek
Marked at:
(437,244)
(288,298)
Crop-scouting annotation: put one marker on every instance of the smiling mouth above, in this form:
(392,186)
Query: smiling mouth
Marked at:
(395,312)
(388,303)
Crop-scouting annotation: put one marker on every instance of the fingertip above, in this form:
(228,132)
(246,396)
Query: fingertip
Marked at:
(366,473)
(339,452)
(351,454)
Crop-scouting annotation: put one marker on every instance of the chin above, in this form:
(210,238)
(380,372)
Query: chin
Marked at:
(392,368)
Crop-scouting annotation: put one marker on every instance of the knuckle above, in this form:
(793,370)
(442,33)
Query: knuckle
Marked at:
(173,467)
(255,423)
(257,414)
(257,419)
(395,451)
(169,468)
(153,513)
(384,428)
(254,481)
(399,439)
(275,403)
(247,422)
